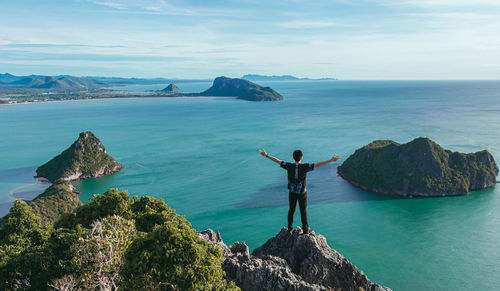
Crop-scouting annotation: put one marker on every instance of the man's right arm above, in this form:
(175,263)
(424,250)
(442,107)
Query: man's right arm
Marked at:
(263,153)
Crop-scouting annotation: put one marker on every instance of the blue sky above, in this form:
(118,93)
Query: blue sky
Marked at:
(364,39)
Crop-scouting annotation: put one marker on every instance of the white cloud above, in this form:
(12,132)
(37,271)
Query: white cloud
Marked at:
(115,5)
(159,7)
(445,3)
(303,24)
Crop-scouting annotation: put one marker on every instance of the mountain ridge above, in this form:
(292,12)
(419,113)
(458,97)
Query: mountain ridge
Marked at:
(257,77)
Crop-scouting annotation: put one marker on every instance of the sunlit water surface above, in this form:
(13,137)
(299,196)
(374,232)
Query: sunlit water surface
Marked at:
(200,155)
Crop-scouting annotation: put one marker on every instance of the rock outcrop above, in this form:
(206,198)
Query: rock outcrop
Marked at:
(85,158)
(290,262)
(170,89)
(418,168)
(242,89)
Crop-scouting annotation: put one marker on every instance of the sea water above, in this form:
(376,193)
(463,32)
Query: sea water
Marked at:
(200,155)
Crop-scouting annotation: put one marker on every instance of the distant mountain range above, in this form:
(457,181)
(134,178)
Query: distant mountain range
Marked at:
(67,82)
(61,83)
(58,83)
(256,77)
(7,78)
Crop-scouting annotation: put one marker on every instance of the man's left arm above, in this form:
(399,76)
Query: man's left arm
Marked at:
(333,159)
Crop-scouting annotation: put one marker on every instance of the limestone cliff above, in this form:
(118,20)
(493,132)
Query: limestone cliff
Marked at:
(241,89)
(290,262)
(418,168)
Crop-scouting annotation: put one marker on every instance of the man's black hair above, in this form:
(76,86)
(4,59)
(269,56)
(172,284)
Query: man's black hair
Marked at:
(297,155)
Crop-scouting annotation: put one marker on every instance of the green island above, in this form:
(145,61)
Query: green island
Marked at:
(85,158)
(242,89)
(418,168)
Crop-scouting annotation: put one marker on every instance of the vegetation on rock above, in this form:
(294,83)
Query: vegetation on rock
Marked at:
(85,158)
(418,168)
(113,242)
(59,198)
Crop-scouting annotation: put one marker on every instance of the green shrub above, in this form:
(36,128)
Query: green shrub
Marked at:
(175,258)
(54,201)
(112,241)
(22,241)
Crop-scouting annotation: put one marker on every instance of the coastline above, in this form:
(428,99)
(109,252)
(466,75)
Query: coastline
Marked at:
(122,97)
(404,195)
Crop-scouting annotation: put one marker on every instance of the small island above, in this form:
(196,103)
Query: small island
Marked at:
(418,168)
(171,89)
(241,89)
(85,158)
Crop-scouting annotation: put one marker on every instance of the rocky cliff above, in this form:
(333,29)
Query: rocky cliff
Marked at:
(242,89)
(85,158)
(290,262)
(418,168)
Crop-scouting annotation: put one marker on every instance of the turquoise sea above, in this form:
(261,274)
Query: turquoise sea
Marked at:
(200,155)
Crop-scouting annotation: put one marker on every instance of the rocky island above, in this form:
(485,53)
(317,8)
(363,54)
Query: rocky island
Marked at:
(85,158)
(241,89)
(171,89)
(418,168)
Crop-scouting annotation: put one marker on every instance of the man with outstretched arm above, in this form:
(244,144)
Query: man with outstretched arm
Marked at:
(297,173)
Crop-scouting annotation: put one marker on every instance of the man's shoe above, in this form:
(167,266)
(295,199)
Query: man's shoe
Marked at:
(290,230)
(307,231)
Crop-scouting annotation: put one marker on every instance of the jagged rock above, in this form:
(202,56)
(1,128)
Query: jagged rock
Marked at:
(85,158)
(290,262)
(418,168)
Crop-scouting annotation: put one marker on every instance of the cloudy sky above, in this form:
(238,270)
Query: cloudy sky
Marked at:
(358,39)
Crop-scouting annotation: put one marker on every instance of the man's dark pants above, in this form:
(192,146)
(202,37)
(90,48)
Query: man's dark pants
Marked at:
(302,199)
